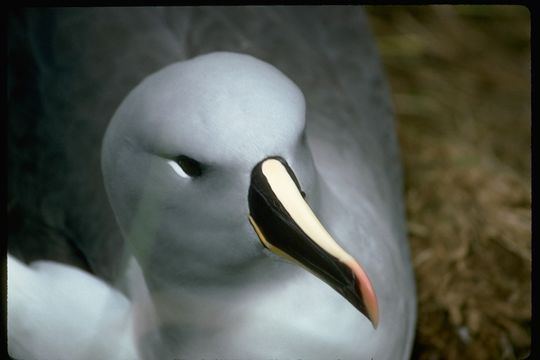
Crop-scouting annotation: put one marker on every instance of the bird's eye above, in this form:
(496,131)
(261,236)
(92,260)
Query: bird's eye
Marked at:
(186,167)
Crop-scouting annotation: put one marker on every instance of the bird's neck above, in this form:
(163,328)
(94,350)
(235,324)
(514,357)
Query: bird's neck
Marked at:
(187,321)
(165,309)
(168,316)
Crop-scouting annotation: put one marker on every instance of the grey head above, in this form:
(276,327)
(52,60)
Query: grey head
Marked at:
(192,160)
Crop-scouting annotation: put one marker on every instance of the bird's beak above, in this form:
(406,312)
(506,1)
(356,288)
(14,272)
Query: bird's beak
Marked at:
(286,225)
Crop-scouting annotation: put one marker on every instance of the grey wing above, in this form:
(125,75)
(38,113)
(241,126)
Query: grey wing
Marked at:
(69,68)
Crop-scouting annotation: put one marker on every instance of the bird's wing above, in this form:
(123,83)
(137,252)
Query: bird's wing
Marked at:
(58,310)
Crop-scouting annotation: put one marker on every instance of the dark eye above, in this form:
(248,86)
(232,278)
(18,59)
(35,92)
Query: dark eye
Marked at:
(191,167)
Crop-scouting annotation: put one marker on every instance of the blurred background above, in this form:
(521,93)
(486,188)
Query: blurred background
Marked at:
(461,84)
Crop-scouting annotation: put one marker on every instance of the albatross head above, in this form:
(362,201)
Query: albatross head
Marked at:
(207,168)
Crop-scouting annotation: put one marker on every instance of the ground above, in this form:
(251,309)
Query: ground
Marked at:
(461,84)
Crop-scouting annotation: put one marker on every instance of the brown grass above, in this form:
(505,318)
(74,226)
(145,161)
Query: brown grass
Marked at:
(460,78)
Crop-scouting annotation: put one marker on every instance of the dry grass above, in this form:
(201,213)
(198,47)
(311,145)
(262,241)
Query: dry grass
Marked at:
(460,77)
